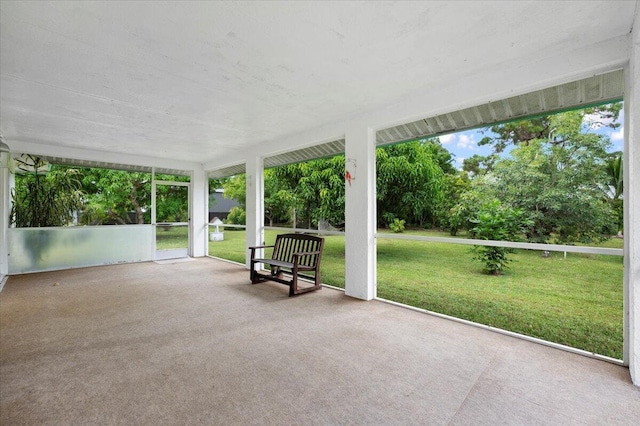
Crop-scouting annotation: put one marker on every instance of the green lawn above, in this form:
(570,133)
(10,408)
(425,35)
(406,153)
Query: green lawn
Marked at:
(575,301)
(172,237)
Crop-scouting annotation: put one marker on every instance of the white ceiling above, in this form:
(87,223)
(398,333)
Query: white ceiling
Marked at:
(199,80)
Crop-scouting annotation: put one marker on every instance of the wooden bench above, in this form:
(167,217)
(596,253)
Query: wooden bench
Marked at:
(293,254)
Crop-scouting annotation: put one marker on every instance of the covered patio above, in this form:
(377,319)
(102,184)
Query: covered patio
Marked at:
(195,343)
(209,89)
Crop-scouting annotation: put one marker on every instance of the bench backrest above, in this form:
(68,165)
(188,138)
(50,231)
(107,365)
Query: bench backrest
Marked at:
(288,244)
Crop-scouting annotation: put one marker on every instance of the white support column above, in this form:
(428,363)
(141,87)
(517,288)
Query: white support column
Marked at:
(4,213)
(199,199)
(360,214)
(255,203)
(632,206)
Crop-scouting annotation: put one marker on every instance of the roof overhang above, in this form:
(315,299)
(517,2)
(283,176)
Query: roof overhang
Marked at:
(595,90)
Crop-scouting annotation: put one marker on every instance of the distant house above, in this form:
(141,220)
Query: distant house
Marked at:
(220,206)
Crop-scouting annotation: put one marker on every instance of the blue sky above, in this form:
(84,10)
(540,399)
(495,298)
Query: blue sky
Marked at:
(465,144)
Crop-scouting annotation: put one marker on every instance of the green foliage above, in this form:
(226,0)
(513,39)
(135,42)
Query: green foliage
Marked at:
(123,197)
(236,189)
(237,216)
(497,222)
(614,171)
(93,214)
(516,132)
(397,225)
(172,203)
(554,173)
(321,189)
(551,127)
(116,196)
(448,215)
(614,188)
(314,190)
(409,182)
(46,199)
(462,214)
(279,203)
(478,165)
(441,154)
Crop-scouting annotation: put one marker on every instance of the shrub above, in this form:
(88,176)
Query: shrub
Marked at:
(497,222)
(397,225)
(237,216)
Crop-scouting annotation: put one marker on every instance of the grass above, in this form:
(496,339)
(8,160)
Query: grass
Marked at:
(575,301)
(173,237)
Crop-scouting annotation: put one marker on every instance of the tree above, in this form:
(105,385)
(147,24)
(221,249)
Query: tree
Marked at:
(409,183)
(545,127)
(116,196)
(441,155)
(45,198)
(279,202)
(615,183)
(615,187)
(314,189)
(477,165)
(172,203)
(235,188)
(453,188)
(555,179)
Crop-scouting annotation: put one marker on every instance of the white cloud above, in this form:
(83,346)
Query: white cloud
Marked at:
(447,139)
(466,142)
(618,135)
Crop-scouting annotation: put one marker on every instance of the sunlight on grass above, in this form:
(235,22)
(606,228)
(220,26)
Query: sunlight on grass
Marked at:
(575,301)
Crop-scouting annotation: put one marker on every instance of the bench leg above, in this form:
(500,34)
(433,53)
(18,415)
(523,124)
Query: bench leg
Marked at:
(294,290)
(255,279)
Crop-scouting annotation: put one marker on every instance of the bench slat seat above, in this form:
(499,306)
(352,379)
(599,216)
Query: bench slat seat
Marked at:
(292,254)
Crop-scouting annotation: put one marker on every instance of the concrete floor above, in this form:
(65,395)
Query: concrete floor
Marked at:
(195,343)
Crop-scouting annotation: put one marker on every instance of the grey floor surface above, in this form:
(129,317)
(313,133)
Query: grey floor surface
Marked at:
(195,343)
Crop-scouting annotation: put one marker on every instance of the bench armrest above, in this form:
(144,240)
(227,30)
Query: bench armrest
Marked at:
(259,247)
(254,248)
(297,256)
